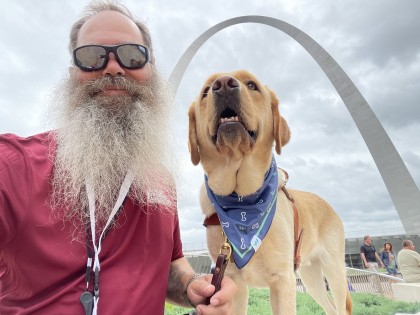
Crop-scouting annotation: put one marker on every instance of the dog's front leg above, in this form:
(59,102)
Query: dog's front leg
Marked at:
(283,295)
(240,302)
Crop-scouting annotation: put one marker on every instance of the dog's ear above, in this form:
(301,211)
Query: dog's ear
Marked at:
(192,136)
(280,128)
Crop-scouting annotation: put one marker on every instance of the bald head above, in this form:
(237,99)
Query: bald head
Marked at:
(407,244)
(104,26)
(101,6)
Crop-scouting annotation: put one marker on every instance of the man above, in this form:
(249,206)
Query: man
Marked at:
(88,220)
(369,255)
(409,262)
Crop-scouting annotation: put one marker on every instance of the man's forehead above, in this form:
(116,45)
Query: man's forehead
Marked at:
(109,27)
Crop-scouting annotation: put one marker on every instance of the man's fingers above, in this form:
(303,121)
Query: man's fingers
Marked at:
(225,294)
(201,289)
(220,302)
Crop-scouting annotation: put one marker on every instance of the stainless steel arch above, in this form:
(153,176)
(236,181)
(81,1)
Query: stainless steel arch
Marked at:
(401,186)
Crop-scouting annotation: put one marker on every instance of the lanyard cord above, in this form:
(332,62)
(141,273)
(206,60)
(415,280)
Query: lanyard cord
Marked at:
(125,187)
(89,248)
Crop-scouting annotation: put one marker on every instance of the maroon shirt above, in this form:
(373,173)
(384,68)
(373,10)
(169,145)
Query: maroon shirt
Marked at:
(42,270)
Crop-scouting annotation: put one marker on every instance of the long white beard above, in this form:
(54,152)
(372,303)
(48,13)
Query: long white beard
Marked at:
(100,139)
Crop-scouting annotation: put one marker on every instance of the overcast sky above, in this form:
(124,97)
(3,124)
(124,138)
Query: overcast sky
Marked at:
(377,43)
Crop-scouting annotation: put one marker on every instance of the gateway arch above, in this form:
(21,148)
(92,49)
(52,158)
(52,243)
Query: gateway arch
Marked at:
(399,182)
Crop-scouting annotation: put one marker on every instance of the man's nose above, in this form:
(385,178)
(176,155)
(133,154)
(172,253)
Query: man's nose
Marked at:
(113,67)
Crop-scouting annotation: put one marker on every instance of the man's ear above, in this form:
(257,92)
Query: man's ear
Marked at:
(280,128)
(192,136)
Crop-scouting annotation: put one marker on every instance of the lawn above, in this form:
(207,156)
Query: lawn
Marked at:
(363,304)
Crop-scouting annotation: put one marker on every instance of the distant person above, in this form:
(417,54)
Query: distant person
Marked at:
(389,260)
(369,255)
(409,262)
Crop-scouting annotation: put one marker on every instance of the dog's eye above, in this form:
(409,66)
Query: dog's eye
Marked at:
(252,86)
(205,92)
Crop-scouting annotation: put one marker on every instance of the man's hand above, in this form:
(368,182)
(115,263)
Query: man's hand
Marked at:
(367,265)
(220,303)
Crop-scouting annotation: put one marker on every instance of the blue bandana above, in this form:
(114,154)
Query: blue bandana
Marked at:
(247,219)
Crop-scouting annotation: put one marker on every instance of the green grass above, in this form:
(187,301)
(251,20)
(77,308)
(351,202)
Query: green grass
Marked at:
(363,304)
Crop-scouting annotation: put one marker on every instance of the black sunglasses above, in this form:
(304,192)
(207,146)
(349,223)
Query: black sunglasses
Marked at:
(95,57)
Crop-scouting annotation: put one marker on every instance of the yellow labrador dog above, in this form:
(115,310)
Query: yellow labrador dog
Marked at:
(233,125)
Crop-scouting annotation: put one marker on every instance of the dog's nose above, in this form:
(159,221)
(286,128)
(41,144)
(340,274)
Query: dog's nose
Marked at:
(225,84)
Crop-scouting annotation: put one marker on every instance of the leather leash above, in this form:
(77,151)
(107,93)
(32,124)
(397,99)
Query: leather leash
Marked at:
(219,270)
(221,264)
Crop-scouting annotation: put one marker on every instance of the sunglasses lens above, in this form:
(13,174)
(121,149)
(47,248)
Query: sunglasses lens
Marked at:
(90,57)
(132,56)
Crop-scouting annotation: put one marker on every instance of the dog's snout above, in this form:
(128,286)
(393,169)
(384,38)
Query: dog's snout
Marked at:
(225,84)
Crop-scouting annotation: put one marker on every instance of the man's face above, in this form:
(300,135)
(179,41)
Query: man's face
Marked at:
(368,241)
(110,121)
(111,28)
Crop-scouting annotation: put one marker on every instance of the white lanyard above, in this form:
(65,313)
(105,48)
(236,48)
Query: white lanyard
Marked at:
(125,187)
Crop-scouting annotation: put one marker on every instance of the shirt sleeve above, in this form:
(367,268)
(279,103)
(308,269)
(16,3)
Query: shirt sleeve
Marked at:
(177,249)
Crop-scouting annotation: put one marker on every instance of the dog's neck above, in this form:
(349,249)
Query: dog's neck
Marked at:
(243,176)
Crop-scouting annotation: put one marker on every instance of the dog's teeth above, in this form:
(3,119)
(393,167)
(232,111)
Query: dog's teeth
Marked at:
(223,120)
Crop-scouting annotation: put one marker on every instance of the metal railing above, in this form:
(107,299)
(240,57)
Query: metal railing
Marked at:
(371,282)
(194,249)
(363,281)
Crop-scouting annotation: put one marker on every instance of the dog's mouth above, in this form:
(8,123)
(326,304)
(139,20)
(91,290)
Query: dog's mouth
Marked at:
(230,119)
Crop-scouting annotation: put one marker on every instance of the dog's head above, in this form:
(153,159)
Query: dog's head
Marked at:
(233,123)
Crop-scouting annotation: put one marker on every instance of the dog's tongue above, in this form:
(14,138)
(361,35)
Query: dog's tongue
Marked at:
(234,136)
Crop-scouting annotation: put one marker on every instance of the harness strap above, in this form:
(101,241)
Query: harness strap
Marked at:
(298,239)
(212,220)
(297,234)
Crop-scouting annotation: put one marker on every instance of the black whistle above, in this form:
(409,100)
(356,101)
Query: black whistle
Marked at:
(87,301)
